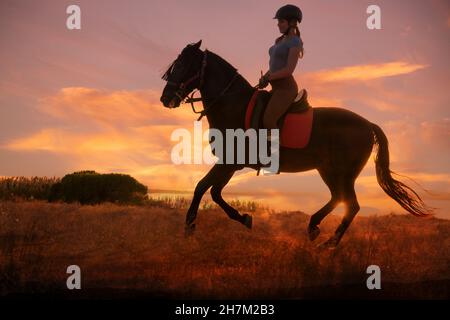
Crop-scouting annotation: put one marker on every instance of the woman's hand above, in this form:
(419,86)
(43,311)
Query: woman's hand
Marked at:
(264,80)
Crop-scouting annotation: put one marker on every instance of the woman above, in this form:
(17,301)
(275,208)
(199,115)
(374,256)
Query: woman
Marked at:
(284,55)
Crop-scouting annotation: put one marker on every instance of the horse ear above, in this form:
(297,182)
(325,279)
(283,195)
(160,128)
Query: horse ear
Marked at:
(197,45)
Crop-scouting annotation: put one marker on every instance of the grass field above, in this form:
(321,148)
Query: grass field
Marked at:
(141,251)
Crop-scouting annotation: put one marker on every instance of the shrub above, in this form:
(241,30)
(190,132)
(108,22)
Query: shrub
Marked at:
(90,187)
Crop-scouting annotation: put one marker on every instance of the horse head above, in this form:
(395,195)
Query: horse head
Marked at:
(184,74)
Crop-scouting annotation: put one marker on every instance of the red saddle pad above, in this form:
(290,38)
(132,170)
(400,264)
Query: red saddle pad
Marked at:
(296,129)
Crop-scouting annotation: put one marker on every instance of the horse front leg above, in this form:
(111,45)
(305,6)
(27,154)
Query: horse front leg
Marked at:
(216,194)
(202,186)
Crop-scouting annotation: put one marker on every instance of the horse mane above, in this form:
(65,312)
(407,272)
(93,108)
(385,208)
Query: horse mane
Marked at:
(221,61)
(168,71)
(218,58)
(230,69)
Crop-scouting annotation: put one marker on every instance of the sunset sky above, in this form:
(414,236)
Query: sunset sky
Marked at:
(89,99)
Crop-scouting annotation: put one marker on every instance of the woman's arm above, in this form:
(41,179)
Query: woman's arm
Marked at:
(294,53)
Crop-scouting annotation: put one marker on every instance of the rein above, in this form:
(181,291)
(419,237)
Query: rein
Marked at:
(180,92)
(205,111)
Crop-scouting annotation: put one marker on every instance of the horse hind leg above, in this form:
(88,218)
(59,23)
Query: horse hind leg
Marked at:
(346,190)
(345,164)
(316,218)
(332,182)
(352,208)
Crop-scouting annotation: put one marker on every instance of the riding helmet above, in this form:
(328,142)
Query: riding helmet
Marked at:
(289,12)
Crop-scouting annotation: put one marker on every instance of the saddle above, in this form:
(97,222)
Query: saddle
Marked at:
(261,99)
(295,124)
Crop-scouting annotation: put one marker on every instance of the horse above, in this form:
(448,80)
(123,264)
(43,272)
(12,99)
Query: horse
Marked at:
(341,142)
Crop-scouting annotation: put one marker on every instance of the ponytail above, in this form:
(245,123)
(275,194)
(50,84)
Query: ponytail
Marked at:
(297,32)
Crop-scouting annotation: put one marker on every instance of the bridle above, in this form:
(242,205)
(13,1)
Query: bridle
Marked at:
(181,91)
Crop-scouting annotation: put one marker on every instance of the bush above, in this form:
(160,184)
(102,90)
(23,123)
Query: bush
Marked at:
(90,187)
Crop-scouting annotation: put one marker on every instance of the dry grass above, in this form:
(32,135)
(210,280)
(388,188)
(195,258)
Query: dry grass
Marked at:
(143,249)
(13,188)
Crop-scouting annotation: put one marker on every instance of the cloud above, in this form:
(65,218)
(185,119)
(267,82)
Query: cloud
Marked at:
(370,182)
(93,121)
(321,101)
(107,130)
(366,72)
(418,146)
(74,143)
(436,132)
(112,109)
(142,152)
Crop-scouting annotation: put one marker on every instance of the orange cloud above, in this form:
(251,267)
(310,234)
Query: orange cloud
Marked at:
(321,101)
(86,106)
(370,182)
(110,131)
(143,152)
(366,72)
(79,144)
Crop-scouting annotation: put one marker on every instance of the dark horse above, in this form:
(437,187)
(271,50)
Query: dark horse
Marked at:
(340,144)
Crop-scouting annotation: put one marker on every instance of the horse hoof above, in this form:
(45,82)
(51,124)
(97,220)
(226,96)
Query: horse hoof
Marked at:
(330,244)
(313,232)
(189,230)
(248,220)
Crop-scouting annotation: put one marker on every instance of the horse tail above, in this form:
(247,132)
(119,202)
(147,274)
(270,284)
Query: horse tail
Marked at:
(398,191)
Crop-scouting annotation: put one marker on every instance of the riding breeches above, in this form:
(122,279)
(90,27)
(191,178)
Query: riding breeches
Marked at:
(284,91)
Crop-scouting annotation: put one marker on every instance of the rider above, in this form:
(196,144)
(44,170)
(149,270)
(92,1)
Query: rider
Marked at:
(284,54)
